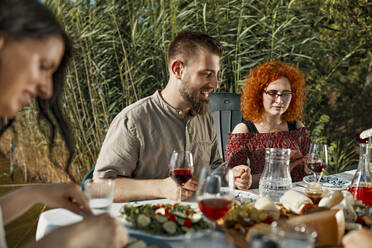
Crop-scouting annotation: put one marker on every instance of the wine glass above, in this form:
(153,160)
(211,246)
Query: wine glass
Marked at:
(181,167)
(215,193)
(317,158)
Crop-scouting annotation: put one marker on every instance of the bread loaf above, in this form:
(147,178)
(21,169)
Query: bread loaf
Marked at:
(295,201)
(268,206)
(331,199)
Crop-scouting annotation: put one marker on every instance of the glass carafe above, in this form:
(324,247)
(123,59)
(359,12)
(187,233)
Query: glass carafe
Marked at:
(361,185)
(276,178)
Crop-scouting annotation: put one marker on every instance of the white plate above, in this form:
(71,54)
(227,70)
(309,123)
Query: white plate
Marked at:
(150,240)
(194,235)
(330,182)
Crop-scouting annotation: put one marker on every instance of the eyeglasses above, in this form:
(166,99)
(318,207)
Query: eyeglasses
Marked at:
(274,94)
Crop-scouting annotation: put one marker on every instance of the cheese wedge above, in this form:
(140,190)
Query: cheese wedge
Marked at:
(295,201)
(330,226)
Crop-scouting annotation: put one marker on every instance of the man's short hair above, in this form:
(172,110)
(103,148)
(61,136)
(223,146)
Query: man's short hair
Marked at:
(187,42)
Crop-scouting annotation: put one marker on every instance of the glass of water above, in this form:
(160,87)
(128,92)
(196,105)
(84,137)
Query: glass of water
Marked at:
(294,236)
(100,193)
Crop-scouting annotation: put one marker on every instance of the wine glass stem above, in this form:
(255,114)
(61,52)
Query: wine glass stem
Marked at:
(214,231)
(316,179)
(179,190)
(213,226)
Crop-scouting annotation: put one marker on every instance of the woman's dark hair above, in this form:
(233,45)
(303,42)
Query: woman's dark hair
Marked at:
(29,19)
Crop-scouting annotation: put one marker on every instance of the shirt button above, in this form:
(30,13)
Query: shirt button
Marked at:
(180,113)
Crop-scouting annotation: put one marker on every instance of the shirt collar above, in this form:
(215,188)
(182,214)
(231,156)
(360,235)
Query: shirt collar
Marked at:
(179,113)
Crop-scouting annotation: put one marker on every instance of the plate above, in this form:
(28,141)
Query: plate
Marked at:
(150,240)
(194,235)
(245,196)
(330,182)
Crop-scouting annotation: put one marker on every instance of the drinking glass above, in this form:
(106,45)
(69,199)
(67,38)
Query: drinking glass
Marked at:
(181,167)
(317,158)
(288,236)
(100,193)
(215,193)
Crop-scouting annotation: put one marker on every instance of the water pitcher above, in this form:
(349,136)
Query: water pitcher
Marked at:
(276,178)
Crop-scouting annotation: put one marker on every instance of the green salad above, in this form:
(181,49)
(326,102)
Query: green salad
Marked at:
(164,219)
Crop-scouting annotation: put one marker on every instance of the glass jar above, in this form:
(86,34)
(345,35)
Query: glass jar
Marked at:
(314,191)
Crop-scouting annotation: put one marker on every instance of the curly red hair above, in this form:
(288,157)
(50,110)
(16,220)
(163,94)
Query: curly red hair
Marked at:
(259,79)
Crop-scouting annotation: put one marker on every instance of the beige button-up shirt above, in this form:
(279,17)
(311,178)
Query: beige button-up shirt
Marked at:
(142,137)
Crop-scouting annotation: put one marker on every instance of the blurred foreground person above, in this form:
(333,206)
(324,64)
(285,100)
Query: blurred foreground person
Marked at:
(34,53)
(361,238)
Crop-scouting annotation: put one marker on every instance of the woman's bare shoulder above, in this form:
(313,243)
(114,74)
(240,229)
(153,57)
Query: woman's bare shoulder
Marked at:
(240,128)
(299,124)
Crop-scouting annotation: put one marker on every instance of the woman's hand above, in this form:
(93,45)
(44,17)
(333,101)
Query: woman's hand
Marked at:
(65,195)
(296,158)
(95,231)
(242,177)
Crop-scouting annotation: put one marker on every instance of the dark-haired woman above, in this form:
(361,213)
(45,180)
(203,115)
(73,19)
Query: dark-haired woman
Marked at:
(271,104)
(34,52)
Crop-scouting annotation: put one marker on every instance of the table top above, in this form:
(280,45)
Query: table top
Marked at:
(52,219)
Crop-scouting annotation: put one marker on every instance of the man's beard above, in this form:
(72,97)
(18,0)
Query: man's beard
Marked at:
(198,106)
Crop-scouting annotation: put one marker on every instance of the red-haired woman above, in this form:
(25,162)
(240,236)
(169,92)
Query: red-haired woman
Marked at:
(271,104)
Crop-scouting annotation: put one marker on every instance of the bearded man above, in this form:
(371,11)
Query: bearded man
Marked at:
(142,137)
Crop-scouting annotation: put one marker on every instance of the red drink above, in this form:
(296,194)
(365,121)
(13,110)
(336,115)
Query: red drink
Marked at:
(215,209)
(180,176)
(362,193)
(315,167)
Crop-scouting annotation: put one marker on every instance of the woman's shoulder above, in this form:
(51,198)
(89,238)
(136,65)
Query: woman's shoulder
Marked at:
(240,128)
(299,124)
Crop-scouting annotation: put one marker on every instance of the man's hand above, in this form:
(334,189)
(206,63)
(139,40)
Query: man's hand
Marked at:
(171,190)
(242,177)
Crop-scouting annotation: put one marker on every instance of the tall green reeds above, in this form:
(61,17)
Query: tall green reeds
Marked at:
(120,57)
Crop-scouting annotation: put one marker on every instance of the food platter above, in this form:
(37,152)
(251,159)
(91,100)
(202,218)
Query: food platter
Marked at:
(164,221)
(330,182)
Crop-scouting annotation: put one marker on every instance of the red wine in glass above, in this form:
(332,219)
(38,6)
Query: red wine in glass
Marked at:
(215,194)
(181,167)
(215,209)
(317,158)
(316,167)
(181,176)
